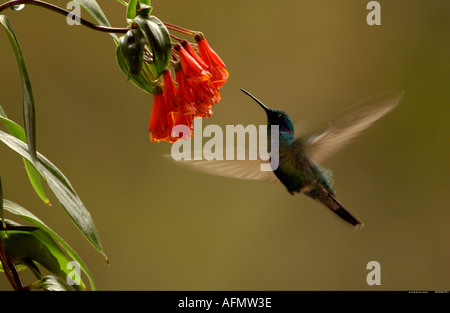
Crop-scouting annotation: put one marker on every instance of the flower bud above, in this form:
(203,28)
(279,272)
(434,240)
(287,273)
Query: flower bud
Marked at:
(158,38)
(132,46)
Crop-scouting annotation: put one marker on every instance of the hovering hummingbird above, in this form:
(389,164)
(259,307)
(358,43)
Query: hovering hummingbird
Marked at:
(298,164)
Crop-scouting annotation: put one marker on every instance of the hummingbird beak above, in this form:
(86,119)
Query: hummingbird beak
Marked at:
(259,102)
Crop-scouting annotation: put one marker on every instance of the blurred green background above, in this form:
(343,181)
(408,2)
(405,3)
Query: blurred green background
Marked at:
(167,228)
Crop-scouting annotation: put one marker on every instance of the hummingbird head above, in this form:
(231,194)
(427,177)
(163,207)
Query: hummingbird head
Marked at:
(275,117)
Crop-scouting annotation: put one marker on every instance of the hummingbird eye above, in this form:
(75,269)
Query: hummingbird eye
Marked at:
(279,115)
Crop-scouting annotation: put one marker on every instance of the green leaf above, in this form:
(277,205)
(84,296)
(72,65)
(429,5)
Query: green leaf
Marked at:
(36,181)
(1,204)
(135,5)
(49,283)
(96,12)
(13,128)
(16,209)
(29,112)
(122,2)
(158,38)
(62,189)
(94,9)
(141,80)
(33,175)
(28,245)
(131,9)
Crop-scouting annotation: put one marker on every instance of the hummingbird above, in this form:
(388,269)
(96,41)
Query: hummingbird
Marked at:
(299,156)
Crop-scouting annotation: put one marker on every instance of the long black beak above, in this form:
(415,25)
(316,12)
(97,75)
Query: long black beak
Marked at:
(259,102)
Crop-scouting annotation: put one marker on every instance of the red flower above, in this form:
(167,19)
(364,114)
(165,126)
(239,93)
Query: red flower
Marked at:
(170,98)
(186,119)
(206,95)
(193,54)
(191,68)
(196,99)
(193,93)
(158,126)
(185,96)
(170,92)
(215,65)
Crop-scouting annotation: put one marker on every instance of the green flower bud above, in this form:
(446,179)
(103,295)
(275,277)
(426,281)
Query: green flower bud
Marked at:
(158,38)
(132,46)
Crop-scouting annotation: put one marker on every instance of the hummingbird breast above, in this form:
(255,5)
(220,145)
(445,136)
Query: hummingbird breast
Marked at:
(295,170)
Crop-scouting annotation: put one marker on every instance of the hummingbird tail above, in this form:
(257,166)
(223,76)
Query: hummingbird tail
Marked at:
(331,202)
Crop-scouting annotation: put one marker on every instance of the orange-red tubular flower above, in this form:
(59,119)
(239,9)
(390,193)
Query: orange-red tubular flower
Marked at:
(206,92)
(179,119)
(194,72)
(170,91)
(159,125)
(186,45)
(170,100)
(185,97)
(215,65)
(205,98)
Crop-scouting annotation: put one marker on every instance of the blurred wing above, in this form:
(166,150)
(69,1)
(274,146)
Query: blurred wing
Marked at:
(241,169)
(346,127)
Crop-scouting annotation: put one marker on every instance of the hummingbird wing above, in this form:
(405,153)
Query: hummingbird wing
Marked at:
(248,169)
(342,129)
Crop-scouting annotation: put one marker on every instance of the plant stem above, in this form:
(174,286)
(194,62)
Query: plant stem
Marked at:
(175,37)
(179,29)
(59,10)
(10,270)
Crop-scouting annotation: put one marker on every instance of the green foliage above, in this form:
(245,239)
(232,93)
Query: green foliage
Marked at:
(33,174)
(140,80)
(28,99)
(92,7)
(49,283)
(132,47)
(39,245)
(158,38)
(30,246)
(136,7)
(143,54)
(1,203)
(17,210)
(128,55)
(61,188)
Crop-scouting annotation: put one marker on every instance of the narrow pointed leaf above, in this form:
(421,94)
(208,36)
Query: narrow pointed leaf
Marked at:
(18,210)
(122,2)
(36,181)
(29,113)
(62,189)
(94,9)
(131,9)
(96,12)
(33,174)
